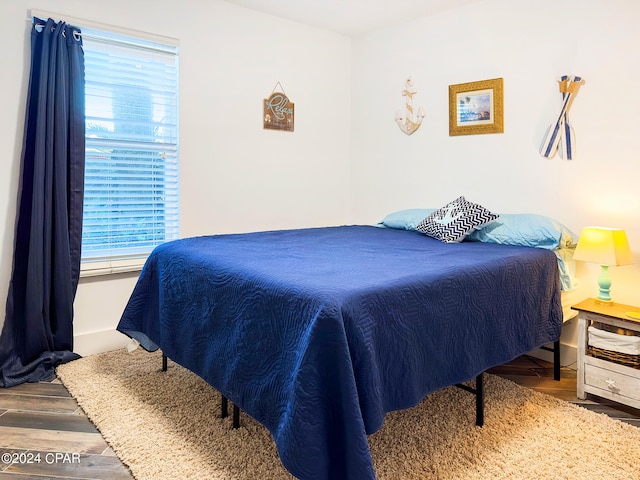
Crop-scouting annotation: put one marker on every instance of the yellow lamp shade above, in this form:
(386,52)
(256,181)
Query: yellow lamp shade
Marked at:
(604,246)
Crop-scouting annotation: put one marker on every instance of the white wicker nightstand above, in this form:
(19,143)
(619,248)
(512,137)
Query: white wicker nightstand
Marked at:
(616,377)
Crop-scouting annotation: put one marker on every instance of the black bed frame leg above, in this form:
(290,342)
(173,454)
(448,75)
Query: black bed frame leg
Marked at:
(236,416)
(224,412)
(480,400)
(478,391)
(224,407)
(556,360)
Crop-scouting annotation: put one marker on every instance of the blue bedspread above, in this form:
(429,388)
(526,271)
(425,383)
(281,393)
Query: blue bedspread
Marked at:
(317,333)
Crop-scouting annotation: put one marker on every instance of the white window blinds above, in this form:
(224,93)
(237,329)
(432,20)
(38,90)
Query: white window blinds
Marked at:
(131,172)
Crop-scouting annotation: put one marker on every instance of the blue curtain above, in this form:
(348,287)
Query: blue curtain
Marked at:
(38,329)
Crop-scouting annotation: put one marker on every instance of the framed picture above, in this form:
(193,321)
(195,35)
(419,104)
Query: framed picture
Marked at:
(476,107)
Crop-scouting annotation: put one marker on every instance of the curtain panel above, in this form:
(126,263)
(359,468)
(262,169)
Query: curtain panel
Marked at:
(38,330)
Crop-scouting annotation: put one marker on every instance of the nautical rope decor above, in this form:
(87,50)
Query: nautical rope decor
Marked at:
(407,120)
(560,133)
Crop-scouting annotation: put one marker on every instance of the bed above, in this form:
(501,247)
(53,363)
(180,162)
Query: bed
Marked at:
(317,333)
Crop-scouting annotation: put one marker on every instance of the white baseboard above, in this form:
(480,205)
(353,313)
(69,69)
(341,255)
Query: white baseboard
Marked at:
(99,342)
(568,355)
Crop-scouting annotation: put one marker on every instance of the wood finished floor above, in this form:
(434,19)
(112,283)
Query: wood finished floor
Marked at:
(42,421)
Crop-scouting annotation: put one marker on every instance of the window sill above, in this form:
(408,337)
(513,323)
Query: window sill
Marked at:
(98,269)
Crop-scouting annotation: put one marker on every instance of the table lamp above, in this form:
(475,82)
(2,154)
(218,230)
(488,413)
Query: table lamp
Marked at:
(607,247)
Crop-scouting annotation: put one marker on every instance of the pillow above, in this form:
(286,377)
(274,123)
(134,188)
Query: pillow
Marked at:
(567,268)
(527,230)
(453,222)
(405,219)
(530,230)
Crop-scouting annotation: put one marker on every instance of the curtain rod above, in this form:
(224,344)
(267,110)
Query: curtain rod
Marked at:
(79,22)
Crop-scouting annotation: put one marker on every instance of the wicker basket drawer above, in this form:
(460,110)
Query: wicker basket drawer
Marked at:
(613,383)
(632,361)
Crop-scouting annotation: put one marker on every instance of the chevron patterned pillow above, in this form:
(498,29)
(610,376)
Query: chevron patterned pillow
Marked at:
(454,221)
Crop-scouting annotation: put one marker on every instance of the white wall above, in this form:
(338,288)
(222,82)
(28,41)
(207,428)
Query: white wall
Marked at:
(234,175)
(530,45)
(347,162)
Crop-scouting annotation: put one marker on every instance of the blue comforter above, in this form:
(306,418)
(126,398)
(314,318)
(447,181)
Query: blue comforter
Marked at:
(317,333)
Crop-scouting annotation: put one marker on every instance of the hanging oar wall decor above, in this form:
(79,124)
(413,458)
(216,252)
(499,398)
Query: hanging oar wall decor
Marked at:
(278,111)
(560,133)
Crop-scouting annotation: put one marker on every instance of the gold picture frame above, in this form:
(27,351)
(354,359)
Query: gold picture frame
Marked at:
(476,107)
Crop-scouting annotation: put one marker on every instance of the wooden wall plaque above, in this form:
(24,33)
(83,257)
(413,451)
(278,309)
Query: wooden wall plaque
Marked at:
(278,112)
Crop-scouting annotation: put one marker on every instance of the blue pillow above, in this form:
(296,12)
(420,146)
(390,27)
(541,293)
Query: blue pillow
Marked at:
(526,229)
(406,219)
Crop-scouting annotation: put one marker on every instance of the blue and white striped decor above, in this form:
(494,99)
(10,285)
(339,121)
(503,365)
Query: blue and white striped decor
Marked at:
(560,132)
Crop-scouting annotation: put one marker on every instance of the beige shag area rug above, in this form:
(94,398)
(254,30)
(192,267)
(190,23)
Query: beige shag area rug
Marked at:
(166,425)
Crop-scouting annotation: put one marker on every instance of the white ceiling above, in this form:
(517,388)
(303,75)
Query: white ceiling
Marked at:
(350,17)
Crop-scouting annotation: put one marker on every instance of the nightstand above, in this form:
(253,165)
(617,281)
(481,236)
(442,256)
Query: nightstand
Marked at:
(605,375)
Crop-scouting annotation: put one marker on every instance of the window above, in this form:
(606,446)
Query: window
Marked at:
(131,172)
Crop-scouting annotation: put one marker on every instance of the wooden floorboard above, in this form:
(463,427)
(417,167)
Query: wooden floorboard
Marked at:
(48,389)
(43,419)
(42,427)
(47,421)
(38,403)
(72,466)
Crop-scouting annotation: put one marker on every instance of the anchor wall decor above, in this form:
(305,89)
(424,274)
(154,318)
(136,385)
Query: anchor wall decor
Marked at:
(408,120)
(560,135)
